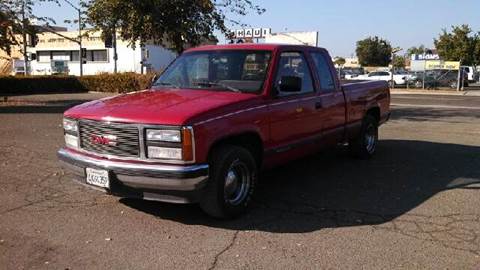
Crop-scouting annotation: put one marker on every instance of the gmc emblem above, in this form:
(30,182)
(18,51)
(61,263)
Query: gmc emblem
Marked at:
(105,140)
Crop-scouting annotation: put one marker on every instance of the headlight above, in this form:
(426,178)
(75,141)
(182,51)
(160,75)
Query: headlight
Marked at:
(164,135)
(71,141)
(164,152)
(70,125)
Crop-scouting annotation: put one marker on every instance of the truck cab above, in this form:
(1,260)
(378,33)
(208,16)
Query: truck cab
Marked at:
(214,119)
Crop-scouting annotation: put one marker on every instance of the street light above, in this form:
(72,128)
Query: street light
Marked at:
(80,58)
(394,51)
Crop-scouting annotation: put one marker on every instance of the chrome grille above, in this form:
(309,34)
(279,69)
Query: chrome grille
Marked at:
(126,143)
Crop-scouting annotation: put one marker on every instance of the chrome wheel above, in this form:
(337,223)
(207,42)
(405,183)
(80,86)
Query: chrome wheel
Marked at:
(370,138)
(237,183)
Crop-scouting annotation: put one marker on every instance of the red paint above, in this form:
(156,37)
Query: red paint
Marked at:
(216,115)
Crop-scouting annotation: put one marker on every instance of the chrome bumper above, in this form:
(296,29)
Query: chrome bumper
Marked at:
(147,179)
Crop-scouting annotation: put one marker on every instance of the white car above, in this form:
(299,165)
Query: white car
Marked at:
(384,76)
(470,73)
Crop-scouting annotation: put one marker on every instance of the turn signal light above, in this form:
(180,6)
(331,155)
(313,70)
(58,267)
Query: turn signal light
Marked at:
(187,144)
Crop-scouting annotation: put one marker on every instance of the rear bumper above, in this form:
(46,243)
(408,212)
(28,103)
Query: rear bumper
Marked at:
(170,183)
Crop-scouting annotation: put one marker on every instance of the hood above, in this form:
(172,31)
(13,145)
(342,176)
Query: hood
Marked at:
(163,107)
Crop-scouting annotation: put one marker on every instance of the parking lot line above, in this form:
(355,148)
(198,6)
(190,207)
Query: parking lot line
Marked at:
(435,106)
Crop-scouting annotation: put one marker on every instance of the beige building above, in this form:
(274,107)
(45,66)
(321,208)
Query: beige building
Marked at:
(59,53)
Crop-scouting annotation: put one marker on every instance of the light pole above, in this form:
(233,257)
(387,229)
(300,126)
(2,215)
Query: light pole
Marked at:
(80,58)
(394,51)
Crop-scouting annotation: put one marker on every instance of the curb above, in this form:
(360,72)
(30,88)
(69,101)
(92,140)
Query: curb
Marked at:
(435,92)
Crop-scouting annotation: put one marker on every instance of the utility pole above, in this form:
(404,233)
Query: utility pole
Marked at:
(394,51)
(80,59)
(460,76)
(424,67)
(24,34)
(115,56)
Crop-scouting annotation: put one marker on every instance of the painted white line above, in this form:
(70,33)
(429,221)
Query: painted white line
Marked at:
(435,106)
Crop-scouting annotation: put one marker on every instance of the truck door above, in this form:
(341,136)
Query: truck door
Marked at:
(332,109)
(293,116)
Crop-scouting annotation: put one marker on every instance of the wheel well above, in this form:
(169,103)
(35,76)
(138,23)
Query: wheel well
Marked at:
(375,112)
(250,141)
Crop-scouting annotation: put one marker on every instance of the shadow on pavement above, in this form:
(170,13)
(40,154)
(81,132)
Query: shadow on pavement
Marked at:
(332,190)
(429,114)
(57,106)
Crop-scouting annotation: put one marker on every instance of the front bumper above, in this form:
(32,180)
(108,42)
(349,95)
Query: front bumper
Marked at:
(169,183)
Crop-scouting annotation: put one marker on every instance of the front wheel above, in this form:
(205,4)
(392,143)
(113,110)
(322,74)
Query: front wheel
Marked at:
(233,175)
(364,145)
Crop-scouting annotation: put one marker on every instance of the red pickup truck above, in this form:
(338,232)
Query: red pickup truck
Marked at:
(215,118)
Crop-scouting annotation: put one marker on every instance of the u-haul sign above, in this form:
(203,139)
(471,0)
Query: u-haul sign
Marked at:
(251,33)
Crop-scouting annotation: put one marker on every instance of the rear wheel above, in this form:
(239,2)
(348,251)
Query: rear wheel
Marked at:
(233,173)
(365,144)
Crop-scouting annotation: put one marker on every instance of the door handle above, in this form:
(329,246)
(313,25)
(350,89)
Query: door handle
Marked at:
(299,109)
(318,105)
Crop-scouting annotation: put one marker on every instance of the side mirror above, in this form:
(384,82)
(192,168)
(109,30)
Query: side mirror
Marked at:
(290,84)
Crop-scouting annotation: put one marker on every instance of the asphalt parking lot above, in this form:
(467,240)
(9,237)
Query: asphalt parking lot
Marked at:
(414,206)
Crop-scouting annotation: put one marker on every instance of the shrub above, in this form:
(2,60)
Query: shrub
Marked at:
(111,83)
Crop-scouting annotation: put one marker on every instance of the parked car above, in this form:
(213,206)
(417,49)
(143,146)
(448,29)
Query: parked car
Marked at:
(353,73)
(399,79)
(439,78)
(470,73)
(214,119)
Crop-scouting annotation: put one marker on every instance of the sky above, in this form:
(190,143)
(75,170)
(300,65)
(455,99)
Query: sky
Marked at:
(341,23)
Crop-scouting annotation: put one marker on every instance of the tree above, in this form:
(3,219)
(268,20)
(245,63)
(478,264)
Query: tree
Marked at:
(15,18)
(339,61)
(374,51)
(418,50)
(175,24)
(458,45)
(399,61)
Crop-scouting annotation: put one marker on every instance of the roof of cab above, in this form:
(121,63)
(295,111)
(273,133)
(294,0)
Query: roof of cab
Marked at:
(248,46)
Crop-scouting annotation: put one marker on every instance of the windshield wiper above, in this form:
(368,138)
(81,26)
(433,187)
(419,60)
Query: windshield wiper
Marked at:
(166,84)
(228,87)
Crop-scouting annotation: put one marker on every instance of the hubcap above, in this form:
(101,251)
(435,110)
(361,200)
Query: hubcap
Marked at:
(370,138)
(237,183)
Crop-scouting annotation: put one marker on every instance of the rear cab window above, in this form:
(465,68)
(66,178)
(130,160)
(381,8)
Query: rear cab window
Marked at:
(327,82)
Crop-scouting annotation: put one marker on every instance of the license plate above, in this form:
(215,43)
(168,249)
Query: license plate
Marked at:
(98,177)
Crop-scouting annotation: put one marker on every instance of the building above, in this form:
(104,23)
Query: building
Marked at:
(297,38)
(265,35)
(59,53)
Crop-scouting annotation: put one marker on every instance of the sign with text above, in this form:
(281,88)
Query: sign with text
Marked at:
(425,57)
(448,65)
(250,33)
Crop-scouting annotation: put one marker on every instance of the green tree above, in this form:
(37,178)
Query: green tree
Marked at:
(15,18)
(399,61)
(339,61)
(416,50)
(458,45)
(174,24)
(374,51)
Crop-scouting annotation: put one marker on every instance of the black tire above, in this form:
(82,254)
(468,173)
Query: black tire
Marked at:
(220,199)
(365,144)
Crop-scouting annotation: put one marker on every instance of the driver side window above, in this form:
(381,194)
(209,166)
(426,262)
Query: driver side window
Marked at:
(294,64)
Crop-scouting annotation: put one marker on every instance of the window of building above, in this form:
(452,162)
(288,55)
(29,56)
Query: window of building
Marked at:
(43,56)
(97,56)
(74,56)
(61,55)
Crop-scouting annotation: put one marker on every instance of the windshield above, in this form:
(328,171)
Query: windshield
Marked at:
(225,70)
